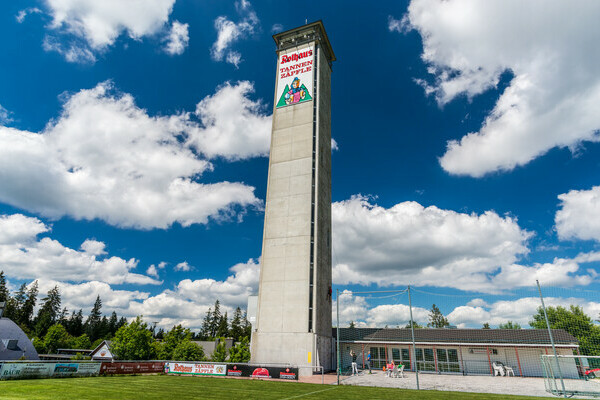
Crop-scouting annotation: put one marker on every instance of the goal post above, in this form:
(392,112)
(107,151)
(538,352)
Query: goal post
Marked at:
(581,375)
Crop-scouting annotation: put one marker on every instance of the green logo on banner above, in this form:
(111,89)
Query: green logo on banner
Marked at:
(294,95)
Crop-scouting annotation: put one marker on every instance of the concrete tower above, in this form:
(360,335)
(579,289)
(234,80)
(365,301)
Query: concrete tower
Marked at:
(293,323)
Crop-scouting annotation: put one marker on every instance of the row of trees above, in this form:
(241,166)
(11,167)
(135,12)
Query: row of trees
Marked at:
(20,308)
(53,327)
(134,341)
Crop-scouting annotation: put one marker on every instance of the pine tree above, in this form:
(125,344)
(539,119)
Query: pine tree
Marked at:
(112,324)
(486,325)
(237,330)
(205,330)
(4,293)
(436,318)
(223,327)
(215,320)
(122,322)
(48,313)
(26,311)
(75,323)
(247,326)
(92,324)
(14,304)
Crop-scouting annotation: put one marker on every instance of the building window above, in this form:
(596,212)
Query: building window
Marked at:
(447,360)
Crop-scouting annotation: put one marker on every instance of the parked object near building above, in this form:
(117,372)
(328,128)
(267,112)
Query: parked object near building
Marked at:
(460,351)
(14,343)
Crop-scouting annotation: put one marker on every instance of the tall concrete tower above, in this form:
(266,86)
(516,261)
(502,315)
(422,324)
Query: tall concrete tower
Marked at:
(293,323)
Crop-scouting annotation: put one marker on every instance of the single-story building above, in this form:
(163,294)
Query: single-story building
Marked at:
(14,343)
(459,351)
(102,352)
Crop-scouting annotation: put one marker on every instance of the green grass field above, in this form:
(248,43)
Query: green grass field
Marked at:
(178,387)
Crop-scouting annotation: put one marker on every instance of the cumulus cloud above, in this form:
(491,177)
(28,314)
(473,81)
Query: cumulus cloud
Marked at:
(519,308)
(549,48)
(186,304)
(92,26)
(519,311)
(177,39)
(183,266)
(229,32)
(152,271)
(232,125)
(23,255)
(138,170)
(189,301)
(409,243)
(579,216)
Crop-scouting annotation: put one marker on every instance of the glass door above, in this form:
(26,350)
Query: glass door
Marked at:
(447,360)
(425,360)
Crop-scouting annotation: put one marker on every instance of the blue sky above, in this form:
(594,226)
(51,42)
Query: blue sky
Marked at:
(134,142)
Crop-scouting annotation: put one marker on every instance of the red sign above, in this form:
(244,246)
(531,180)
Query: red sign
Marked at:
(120,368)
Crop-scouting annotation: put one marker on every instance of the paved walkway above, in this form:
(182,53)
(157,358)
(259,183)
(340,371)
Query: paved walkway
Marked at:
(473,383)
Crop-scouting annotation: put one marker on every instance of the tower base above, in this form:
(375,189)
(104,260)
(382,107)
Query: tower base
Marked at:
(304,350)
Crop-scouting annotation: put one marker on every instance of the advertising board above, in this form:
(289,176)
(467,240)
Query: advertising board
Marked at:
(195,369)
(119,368)
(262,371)
(295,76)
(18,370)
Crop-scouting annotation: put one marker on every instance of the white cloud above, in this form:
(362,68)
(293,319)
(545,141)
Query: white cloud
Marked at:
(364,312)
(233,291)
(579,216)
(276,28)
(189,301)
(183,266)
(152,271)
(25,256)
(520,311)
(186,304)
(334,145)
(5,116)
(97,24)
(549,47)
(399,25)
(409,243)
(138,170)
(177,39)
(72,52)
(229,32)
(23,13)
(233,126)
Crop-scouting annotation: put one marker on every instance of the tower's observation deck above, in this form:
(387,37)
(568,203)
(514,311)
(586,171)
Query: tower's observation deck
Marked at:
(293,323)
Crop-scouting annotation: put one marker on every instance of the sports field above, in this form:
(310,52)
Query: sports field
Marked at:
(181,388)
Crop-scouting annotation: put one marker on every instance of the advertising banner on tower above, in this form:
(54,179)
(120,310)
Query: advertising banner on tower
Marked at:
(295,76)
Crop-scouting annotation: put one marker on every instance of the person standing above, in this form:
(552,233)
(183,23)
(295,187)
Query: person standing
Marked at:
(369,361)
(354,365)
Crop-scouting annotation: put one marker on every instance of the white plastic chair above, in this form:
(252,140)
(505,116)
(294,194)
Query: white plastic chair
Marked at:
(399,371)
(498,369)
(509,371)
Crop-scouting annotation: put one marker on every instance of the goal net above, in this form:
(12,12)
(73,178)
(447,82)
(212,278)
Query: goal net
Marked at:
(560,383)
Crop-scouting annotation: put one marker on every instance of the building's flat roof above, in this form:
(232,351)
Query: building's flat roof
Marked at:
(457,336)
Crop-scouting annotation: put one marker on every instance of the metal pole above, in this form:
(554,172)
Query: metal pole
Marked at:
(337,300)
(562,382)
(412,331)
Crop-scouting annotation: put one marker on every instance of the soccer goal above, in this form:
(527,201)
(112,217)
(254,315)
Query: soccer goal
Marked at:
(571,375)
